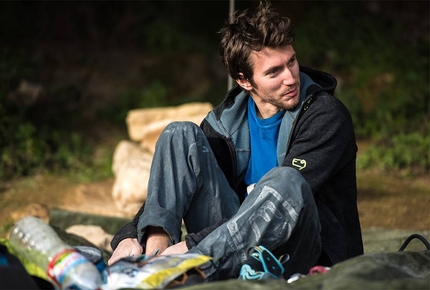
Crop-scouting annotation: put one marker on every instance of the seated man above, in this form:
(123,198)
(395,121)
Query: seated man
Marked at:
(272,165)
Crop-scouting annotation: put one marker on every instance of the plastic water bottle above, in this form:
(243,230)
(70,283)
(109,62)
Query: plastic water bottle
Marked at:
(37,242)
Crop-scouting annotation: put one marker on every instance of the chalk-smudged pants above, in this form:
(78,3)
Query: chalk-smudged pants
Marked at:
(186,183)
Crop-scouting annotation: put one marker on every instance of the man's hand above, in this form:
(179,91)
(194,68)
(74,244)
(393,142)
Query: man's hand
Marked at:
(179,248)
(127,247)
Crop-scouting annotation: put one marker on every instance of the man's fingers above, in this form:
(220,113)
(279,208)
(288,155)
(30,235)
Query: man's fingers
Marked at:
(112,260)
(126,249)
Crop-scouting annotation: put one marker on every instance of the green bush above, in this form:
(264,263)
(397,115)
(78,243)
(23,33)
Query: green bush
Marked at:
(383,73)
(154,95)
(26,151)
(408,153)
(21,150)
(37,137)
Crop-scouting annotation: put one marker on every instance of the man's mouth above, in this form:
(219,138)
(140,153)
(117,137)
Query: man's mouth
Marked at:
(291,93)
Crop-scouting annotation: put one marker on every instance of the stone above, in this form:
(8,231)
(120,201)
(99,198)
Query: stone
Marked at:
(131,166)
(138,120)
(151,132)
(127,150)
(392,270)
(92,233)
(132,158)
(35,209)
(63,219)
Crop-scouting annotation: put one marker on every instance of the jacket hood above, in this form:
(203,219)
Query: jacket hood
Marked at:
(326,81)
(228,101)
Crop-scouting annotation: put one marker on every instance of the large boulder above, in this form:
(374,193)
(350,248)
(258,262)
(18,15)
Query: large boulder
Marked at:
(132,158)
(153,130)
(94,234)
(393,270)
(131,166)
(138,120)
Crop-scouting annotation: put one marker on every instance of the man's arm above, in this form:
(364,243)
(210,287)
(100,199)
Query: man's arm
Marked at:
(125,242)
(324,142)
(127,231)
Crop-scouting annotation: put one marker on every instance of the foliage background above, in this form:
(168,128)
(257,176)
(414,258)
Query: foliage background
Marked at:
(70,72)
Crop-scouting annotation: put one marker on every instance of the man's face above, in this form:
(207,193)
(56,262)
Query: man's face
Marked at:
(276,78)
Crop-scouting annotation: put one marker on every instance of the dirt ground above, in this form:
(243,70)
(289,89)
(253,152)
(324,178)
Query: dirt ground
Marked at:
(383,201)
(393,203)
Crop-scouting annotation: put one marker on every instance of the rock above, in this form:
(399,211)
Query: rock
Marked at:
(131,166)
(151,132)
(92,233)
(127,150)
(132,158)
(35,209)
(393,270)
(130,188)
(138,120)
(63,219)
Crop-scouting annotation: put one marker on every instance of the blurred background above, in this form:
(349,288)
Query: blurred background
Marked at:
(71,70)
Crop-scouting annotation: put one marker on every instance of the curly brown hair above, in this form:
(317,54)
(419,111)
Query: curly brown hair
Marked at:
(252,30)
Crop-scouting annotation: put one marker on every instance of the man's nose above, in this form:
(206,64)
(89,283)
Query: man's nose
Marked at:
(288,78)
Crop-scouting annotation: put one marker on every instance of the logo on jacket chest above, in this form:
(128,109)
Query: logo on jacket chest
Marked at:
(299,163)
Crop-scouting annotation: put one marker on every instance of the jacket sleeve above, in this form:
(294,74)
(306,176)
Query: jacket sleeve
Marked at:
(323,141)
(127,231)
(192,239)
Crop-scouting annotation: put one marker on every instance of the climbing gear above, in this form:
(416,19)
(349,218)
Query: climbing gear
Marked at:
(262,264)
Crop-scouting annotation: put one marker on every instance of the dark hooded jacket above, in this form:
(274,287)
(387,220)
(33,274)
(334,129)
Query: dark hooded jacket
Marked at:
(319,142)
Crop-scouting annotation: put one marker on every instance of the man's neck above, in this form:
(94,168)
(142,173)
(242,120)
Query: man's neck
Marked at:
(265,110)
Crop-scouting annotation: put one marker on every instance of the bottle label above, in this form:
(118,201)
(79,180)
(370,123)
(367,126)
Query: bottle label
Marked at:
(62,263)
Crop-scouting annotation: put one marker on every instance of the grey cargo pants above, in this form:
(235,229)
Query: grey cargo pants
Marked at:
(186,183)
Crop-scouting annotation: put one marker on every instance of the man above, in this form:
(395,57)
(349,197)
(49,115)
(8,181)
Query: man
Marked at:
(272,165)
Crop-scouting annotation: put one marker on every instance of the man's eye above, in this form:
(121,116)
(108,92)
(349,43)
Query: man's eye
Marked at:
(273,72)
(292,61)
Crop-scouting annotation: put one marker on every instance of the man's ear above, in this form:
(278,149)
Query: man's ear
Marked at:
(243,82)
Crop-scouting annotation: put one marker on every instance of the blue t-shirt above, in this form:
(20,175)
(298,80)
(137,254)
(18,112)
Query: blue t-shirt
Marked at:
(264,139)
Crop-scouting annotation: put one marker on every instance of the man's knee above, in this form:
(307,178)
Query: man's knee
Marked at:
(178,133)
(180,126)
(289,182)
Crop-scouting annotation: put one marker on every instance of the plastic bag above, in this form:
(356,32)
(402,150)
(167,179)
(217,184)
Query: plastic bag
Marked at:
(151,272)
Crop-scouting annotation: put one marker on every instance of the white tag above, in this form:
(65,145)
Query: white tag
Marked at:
(250,188)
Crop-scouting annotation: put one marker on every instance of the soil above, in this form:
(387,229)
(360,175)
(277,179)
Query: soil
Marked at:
(384,201)
(393,203)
